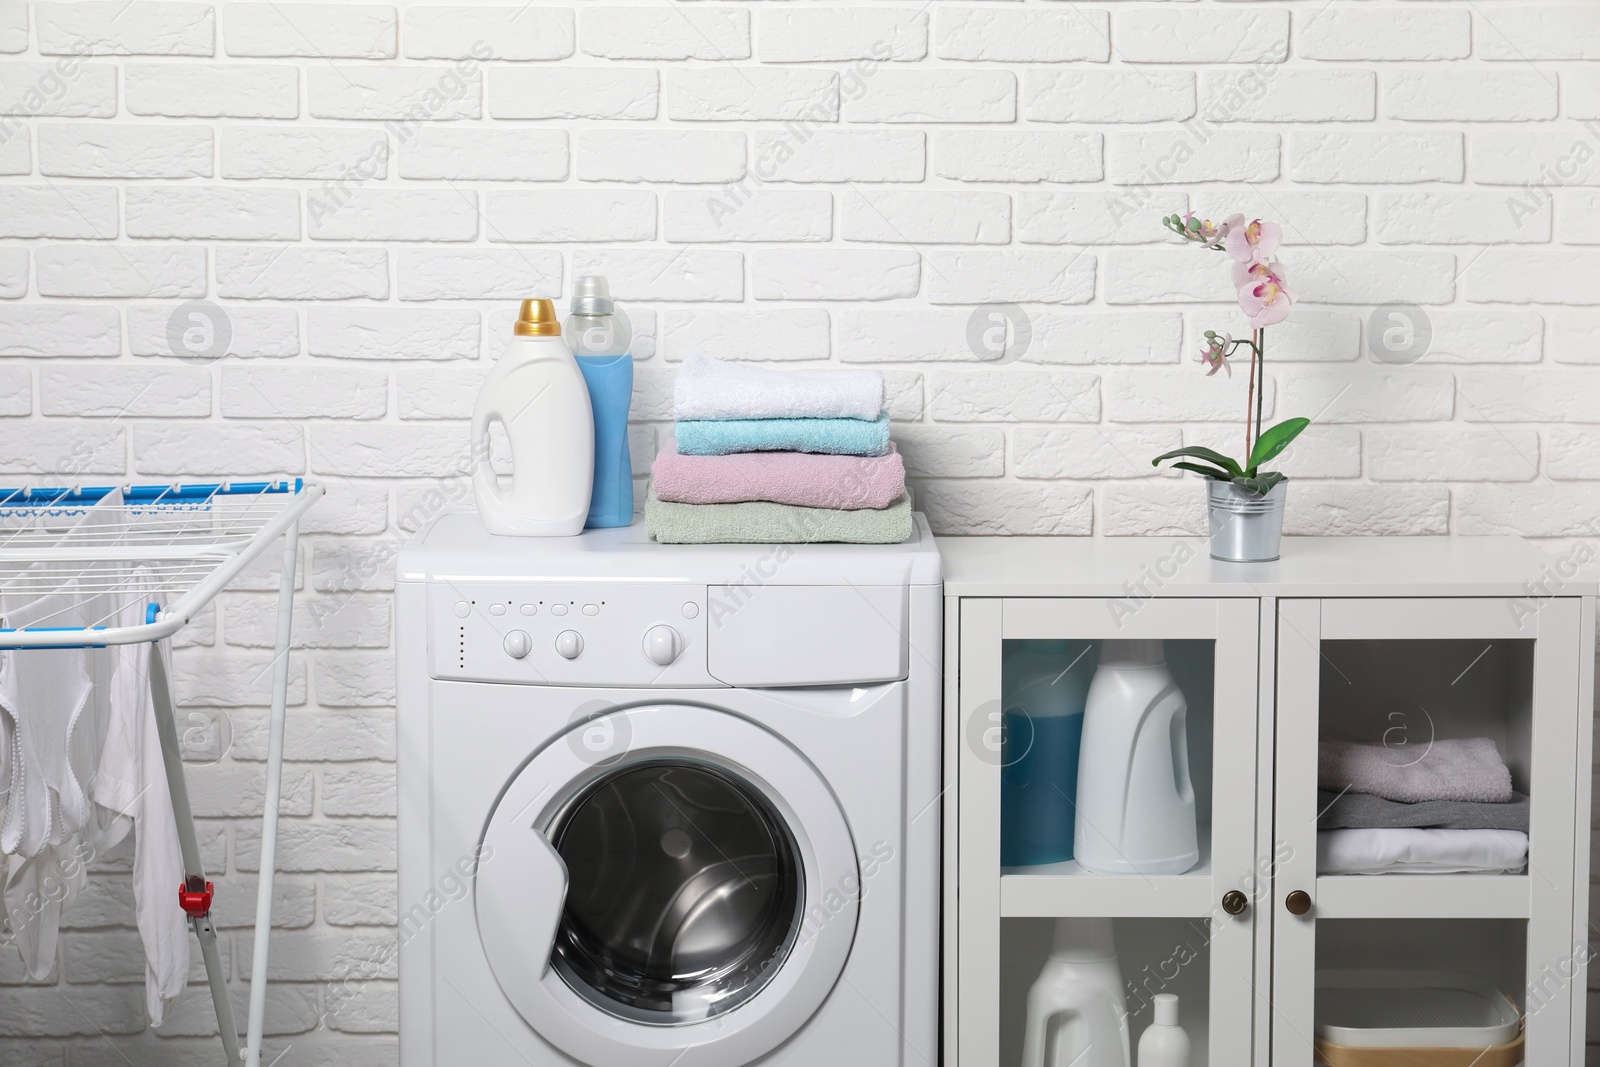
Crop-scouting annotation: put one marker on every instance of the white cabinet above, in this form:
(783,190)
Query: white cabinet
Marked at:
(1402,642)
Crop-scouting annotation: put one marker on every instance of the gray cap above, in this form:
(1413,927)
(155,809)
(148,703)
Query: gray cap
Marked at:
(591,295)
(1079,940)
(1131,654)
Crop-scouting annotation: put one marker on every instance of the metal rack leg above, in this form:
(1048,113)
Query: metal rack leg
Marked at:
(189,845)
(269,829)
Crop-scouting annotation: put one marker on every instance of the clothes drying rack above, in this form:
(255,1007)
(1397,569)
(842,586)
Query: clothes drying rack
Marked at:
(187,542)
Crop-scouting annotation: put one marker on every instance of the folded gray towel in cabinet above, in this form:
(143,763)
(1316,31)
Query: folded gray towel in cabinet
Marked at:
(1363,811)
(1467,768)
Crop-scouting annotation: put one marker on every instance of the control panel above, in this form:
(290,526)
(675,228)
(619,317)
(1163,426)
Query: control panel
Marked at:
(611,634)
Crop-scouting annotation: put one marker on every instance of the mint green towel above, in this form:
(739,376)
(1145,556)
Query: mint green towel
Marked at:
(838,437)
(763,523)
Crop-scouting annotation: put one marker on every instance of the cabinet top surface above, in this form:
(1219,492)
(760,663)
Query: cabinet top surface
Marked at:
(1310,566)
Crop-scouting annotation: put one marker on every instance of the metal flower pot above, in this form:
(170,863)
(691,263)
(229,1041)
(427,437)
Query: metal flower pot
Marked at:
(1246,527)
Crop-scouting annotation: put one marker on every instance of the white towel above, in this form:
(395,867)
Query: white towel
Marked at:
(1408,851)
(132,781)
(712,389)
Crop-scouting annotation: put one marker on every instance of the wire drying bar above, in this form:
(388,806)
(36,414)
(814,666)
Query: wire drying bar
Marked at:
(161,553)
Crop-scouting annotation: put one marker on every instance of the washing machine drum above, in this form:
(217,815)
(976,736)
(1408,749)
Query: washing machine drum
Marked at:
(683,892)
(667,907)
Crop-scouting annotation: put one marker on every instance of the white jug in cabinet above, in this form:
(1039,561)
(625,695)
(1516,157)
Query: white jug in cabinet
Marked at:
(537,392)
(1136,809)
(1077,1010)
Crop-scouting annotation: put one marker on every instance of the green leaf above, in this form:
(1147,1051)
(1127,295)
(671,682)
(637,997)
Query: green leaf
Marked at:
(1261,484)
(1210,455)
(1214,473)
(1274,440)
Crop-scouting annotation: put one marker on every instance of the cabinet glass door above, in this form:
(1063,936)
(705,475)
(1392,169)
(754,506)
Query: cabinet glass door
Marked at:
(1427,776)
(1107,775)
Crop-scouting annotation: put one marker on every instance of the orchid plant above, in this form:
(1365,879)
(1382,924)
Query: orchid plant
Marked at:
(1264,297)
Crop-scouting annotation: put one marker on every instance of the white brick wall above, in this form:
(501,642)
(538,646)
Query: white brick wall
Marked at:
(366,188)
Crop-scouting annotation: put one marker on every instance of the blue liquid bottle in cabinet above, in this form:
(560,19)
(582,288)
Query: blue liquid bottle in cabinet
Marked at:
(1044,687)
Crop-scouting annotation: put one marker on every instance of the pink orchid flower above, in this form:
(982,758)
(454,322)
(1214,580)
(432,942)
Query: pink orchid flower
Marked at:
(1213,353)
(1254,243)
(1211,232)
(1264,296)
(1248,274)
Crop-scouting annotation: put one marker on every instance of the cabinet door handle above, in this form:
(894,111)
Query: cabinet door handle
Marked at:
(1298,902)
(1235,902)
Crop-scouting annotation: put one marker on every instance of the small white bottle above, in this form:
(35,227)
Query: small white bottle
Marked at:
(1164,1043)
(537,393)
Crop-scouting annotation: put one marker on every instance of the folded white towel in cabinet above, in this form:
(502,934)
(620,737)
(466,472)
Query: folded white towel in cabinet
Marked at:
(713,389)
(1409,851)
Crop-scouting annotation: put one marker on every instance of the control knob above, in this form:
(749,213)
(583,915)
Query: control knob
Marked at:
(569,644)
(518,644)
(662,645)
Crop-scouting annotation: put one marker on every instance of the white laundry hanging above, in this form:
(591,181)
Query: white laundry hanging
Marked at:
(53,678)
(55,722)
(43,691)
(102,770)
(132,782)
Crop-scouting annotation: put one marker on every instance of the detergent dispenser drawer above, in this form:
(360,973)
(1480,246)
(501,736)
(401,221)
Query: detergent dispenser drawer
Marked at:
(778,635)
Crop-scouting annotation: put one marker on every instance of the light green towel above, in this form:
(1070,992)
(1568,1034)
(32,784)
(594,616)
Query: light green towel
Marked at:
(762,523)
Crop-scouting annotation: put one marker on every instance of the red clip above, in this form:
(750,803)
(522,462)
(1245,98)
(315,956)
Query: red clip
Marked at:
(195,902)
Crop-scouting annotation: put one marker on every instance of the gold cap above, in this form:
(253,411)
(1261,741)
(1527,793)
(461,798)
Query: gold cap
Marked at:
(537,319)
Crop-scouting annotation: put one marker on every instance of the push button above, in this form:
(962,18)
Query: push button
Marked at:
(497,609)
(591,609)
(529,609)
(462,609)
(690,609)
(558,609)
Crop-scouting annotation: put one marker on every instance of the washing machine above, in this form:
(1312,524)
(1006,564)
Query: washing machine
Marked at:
(667,805)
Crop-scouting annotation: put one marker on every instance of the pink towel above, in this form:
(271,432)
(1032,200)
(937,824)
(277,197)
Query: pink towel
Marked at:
(805,479)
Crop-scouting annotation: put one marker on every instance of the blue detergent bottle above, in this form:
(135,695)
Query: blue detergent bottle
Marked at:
(600,339)
(1044,687)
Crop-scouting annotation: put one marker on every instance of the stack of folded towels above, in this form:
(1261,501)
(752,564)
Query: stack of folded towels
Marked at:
(777,457)
(1447,807)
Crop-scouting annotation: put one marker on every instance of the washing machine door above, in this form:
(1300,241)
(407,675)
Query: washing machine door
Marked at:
(688,897)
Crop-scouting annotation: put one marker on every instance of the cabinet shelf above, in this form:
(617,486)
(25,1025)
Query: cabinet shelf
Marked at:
(1424,896)
(1053,890)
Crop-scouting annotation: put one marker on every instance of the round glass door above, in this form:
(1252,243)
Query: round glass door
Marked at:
(685,892)
(633,912)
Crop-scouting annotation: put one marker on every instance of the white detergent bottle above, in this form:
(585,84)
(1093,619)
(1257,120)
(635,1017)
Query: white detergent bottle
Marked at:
(1164,1043)
(536,392)
(1077,1010)
(1136,810)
